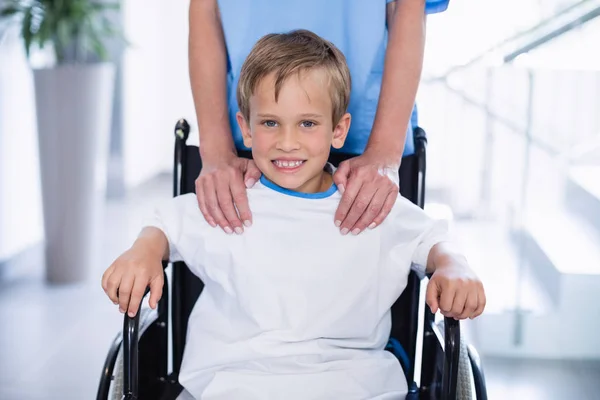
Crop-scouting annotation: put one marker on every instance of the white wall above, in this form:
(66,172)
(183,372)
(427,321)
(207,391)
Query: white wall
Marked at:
(564,117)
(156,93)
(20,202)
(156,86)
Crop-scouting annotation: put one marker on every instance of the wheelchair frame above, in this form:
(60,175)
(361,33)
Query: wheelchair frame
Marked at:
(145,359)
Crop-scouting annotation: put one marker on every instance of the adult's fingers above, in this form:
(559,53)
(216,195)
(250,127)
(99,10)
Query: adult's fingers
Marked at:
(388,204)
(340,178)
(225,199)
(374,208)
(362,201)
(201,198)
(252,174)
(213,205)
(349,197)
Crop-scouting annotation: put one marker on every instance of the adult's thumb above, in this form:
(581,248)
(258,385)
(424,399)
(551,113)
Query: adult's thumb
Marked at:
(252,174)
(340,177)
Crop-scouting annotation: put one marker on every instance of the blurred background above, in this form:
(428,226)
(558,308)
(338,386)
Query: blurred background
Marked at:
(510,99)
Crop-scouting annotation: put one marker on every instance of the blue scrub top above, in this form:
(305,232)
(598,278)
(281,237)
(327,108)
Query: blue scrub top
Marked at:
(356,27)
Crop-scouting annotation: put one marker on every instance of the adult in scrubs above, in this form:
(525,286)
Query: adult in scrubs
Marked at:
(383,41)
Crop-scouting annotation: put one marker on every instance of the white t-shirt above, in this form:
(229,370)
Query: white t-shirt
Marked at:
(292,309)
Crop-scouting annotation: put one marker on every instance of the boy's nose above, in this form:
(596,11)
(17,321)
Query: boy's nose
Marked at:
(288,140)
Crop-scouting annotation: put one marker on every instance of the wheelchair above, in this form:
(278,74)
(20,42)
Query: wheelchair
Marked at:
(137,364)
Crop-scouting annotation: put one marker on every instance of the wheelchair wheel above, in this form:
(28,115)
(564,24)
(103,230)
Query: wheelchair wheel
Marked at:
(116,389)
(147,317)
(465,385)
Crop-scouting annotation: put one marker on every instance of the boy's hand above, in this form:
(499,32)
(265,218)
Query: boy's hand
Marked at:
(126,280)
(456,291)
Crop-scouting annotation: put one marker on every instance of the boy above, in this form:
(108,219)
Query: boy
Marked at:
(292,309)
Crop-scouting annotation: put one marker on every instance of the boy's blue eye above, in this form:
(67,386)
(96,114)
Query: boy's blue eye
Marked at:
(270,124)
(308,124)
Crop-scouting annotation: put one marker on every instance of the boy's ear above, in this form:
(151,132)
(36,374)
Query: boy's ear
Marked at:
(245,128)
(340,131)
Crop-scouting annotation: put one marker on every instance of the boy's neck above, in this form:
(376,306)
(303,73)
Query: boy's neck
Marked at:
(317,184)
(326,181)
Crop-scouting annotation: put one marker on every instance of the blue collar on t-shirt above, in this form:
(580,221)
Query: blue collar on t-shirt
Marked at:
(277,188)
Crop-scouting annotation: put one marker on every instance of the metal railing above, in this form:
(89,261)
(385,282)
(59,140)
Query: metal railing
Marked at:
(507,50)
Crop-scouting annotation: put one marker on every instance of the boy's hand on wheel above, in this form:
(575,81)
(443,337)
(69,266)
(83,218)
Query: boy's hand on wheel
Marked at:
(456,291)
(368,193)
(126,280)
(221,193)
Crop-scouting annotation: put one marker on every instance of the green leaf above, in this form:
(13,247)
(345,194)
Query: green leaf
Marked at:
(71,25)
(26,31)
(44,33)
(9,11)
(106,6)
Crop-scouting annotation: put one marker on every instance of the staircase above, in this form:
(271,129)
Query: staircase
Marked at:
(561,248)
(541,266)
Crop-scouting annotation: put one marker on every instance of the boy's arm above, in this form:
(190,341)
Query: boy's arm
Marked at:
(453,288)
(154,241)
(441,254)
(126,280)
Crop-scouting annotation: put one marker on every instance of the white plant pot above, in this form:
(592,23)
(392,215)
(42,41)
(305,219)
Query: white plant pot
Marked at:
(74,105)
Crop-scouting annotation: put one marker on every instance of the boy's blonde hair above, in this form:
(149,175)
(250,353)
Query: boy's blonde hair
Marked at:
(290,53)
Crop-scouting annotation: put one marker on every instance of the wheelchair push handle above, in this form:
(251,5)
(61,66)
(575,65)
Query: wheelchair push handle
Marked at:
(420,139)
(182,130)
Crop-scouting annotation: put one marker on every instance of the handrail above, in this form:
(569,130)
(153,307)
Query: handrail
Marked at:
(503,121)
(583,10)
(575,23)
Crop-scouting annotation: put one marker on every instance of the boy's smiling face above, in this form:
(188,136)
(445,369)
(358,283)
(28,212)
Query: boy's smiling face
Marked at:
(291,137)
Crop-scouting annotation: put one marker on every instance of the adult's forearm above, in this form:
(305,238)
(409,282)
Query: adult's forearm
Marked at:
(208,78)
(401,76)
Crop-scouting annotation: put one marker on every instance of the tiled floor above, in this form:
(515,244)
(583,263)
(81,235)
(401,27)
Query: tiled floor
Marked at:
(53,340)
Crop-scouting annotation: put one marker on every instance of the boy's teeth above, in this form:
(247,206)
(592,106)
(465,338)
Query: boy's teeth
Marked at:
(288,164)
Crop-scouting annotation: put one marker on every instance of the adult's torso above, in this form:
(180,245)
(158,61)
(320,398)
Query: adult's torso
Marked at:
(356,27)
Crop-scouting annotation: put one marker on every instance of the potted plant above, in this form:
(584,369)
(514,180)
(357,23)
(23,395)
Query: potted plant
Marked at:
(73,105)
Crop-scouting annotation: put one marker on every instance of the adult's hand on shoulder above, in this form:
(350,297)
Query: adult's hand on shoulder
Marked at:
(221,192)
(368,192)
